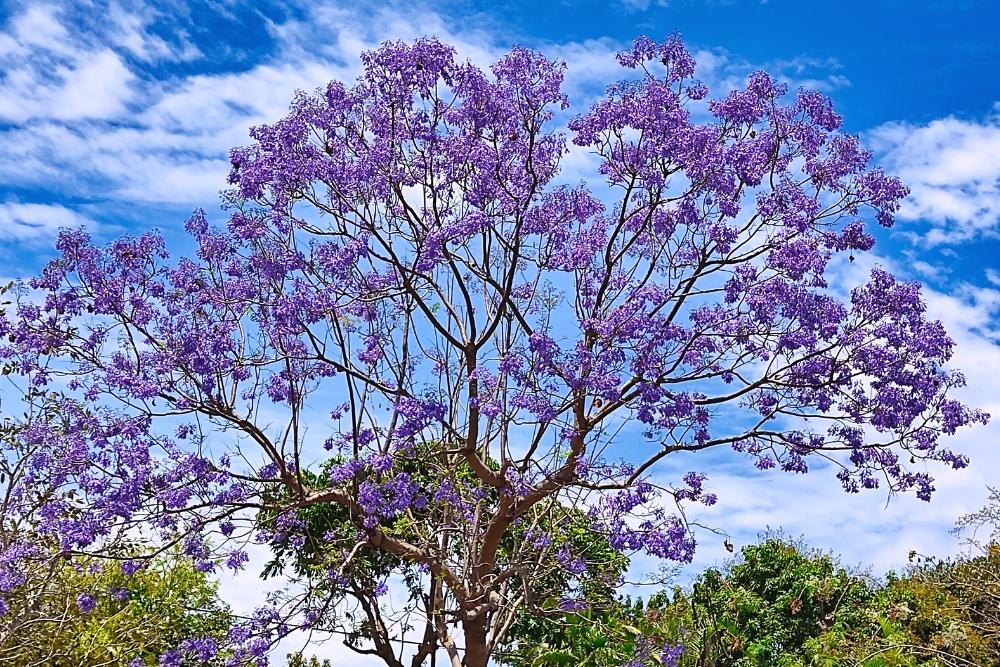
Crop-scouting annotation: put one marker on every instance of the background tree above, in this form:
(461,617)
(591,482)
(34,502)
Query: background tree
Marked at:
(403,276)
(328,533)
(89,613)
(949,609)
(778,604)
(297,660)
(782,604)
(764,608)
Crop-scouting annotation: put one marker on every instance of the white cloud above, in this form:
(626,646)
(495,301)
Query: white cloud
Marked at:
(953,172)
(37,26)
(642,5)
(20,223)
(724,72)
(925,269)
(130,31)
(97,87)
(48,75)
(636,5)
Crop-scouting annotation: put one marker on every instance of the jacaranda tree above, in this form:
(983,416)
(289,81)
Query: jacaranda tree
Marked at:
(496,360)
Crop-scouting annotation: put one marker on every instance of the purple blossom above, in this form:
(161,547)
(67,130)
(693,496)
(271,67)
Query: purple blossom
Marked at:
(572,604)
(237,560)
(572,564)
(671,654)
(86,602)
(130,567)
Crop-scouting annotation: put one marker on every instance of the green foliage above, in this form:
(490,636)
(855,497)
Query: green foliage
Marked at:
(330,531)
(782,605)
(946,612)
(298,660)
(590,638)
(763,608)
(166,602)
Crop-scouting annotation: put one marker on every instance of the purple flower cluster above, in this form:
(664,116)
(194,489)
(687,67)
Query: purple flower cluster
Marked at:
(86,602)
(390,499)
(671,654)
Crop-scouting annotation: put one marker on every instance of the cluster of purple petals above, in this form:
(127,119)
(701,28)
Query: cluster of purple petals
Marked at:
(634,520)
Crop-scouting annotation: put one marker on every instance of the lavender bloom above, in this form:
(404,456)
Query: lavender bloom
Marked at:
(671,654)
(86,602)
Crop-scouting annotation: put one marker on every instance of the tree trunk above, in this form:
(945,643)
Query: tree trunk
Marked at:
(476,653)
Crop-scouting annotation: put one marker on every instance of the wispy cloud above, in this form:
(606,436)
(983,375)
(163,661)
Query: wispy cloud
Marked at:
(26,223)
(88,114)
(130,29)
(45,77)
(952,169)
(642,5)
(725,72)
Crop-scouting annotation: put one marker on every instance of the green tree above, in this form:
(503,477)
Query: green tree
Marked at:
(299,660)
(780,604)
(763,609)
(947,611)
(330,543)
(117,620)
(923,619)
(777,605)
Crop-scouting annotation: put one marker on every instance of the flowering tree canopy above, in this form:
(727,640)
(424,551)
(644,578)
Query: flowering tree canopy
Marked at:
(416,358)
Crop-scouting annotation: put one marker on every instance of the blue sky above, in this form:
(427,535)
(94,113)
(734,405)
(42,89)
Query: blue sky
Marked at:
(119,117)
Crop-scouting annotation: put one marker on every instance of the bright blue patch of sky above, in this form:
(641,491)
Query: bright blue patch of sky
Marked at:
(905,60)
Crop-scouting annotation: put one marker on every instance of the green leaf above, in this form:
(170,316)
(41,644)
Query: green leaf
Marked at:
(554,658)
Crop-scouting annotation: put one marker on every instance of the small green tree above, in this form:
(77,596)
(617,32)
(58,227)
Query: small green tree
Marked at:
(763,609)
(330,544)
(121,619)
(778,604)
(299,660)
